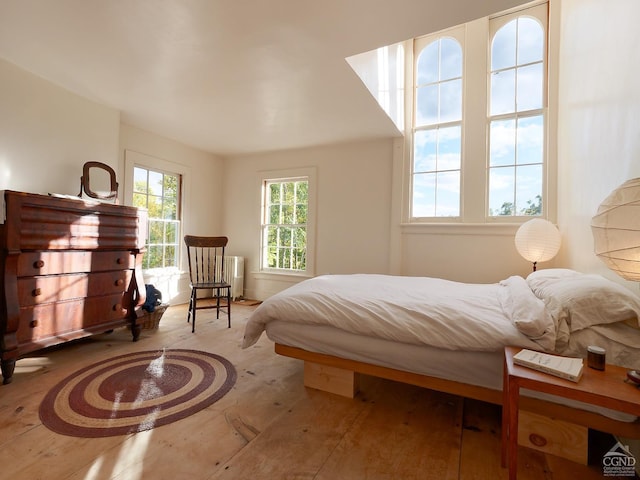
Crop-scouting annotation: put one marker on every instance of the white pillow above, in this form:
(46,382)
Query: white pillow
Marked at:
(527,312)
(542,277)
(587,299)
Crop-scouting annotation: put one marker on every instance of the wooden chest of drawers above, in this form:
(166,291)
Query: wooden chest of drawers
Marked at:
(70,268)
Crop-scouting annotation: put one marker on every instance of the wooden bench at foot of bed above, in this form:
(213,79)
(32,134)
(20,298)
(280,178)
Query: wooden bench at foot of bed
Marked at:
(544,426)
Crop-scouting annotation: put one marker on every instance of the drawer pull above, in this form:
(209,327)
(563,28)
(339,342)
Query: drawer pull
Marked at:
(117,307)
(119,282)
(38,264)
(33,323)
(36,292)
(119,260)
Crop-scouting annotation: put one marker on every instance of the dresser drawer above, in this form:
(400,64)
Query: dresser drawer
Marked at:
(50,262)
(53,288)
(73,225)
(55,319)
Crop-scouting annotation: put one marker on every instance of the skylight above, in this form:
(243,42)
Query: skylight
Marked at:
(382,72)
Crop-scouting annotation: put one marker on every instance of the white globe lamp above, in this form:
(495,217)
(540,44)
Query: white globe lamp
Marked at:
(538,240)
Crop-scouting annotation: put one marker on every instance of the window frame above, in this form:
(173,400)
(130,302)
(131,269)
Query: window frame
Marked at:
(151,221)
(474,202)
(420,44)
(137,159)
(308,174)
(539,12)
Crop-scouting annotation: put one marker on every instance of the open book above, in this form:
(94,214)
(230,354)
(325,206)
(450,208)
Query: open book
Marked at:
(564,367)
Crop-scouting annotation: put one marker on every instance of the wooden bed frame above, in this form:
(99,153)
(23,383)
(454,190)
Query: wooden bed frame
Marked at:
(545,426)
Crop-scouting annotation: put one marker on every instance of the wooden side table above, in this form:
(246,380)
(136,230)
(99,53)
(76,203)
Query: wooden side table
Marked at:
(601,388)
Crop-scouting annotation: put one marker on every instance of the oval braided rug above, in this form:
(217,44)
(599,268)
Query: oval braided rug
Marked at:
(135,392)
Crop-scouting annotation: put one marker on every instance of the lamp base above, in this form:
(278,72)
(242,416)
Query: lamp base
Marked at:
(634,376)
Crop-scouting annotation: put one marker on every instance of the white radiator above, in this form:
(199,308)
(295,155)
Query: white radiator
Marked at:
(234,273)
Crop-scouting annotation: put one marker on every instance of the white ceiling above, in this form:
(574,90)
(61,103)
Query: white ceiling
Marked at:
(225,76)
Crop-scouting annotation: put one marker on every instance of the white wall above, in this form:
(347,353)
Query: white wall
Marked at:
(48,133)
(599,131)
(476,254)
(354,208)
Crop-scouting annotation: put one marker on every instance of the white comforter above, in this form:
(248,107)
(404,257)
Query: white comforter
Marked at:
(414,310)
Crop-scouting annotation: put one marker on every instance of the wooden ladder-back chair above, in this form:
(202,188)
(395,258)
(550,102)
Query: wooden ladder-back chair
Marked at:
(206,272)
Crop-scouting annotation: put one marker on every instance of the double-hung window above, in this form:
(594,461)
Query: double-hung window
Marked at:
(437,125)
(287,223)
(517,116)
(159,193)
(478,116)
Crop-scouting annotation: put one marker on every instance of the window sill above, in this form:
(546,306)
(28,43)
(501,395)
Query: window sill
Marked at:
(280,276)
(490,229)
(163,272)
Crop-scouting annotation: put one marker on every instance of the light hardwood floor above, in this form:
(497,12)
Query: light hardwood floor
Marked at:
(268,427)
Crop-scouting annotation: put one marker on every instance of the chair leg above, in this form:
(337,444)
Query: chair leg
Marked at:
(190,307)
(194,295)
(217,303)
(229,307)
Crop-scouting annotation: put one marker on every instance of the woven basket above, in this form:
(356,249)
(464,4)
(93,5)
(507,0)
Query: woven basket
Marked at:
(151,320)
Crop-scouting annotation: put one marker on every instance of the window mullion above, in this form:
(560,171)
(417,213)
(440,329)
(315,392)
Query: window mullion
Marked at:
(474,143)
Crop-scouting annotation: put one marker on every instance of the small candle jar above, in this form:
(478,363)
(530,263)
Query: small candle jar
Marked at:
(596,357)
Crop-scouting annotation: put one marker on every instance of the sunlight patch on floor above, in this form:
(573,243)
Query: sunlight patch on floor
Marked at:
(129,463)
(32,364)
(94,469)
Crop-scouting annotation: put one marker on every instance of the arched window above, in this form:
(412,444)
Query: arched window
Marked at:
(437,132)
(517,118)
(477,151)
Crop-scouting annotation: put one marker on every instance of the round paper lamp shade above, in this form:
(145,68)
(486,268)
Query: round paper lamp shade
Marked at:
(538,240)
(616,230)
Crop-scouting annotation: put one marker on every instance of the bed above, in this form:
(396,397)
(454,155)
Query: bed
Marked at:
(450,336)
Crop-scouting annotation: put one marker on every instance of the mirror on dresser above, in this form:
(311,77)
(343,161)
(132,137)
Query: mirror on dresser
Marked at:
(98,181)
